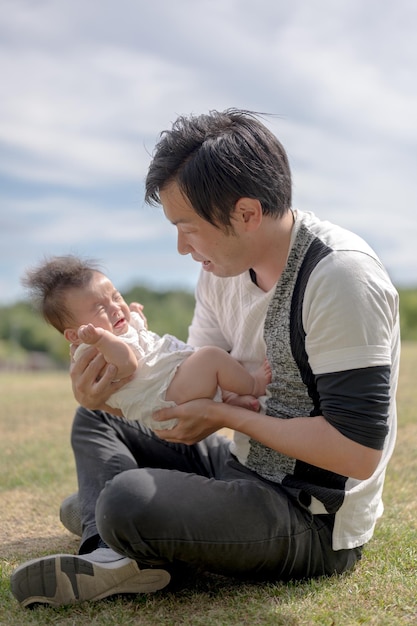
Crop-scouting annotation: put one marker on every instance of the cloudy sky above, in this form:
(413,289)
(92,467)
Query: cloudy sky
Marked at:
(87,86)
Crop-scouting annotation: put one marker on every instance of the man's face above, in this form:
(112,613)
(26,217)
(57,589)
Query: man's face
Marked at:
(219,252)
(100,304)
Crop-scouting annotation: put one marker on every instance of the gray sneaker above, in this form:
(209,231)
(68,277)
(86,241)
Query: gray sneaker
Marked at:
(70,515)
(67,579)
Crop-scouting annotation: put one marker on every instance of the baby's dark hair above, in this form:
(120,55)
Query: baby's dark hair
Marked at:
(48,282)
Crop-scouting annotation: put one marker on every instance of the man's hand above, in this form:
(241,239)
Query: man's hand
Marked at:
(93,379)
(196,420)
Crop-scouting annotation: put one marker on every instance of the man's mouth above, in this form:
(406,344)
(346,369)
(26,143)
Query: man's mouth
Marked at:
(207,265)
(202,261)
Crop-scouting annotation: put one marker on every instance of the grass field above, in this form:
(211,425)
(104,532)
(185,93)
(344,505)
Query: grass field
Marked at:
(37,472)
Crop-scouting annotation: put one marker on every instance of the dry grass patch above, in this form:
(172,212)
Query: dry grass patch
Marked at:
(37,472)
(30,524)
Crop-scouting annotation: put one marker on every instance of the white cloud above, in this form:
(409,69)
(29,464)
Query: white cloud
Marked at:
(58,220)
(89,85)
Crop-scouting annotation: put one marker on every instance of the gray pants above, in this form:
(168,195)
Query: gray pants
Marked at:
(168,504)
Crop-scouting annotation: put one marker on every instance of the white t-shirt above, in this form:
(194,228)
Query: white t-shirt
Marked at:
(333,311)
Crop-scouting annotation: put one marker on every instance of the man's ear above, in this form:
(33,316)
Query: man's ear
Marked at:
(71,335)
(248,212)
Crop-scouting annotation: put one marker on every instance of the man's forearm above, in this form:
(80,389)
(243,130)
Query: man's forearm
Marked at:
(309,439)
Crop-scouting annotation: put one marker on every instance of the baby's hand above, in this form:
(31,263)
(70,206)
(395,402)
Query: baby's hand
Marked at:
(138,308)
(88,333)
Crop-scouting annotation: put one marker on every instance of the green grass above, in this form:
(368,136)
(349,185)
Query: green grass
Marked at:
(37,472)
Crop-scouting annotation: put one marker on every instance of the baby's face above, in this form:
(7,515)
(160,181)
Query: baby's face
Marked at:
(100,304)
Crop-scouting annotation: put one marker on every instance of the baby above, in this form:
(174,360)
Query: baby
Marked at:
(82,303)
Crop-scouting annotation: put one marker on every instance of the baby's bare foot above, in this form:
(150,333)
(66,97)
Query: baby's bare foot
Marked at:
(88,333)
(262,378)
(246,402)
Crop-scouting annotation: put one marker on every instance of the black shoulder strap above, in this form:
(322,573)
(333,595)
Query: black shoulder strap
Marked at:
(316,252)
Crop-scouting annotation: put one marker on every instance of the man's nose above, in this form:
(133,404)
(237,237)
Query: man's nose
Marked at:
(182,246)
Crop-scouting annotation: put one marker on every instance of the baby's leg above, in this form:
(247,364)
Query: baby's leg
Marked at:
(210,367)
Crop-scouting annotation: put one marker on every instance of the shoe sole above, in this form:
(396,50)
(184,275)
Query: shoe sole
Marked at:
(68,579)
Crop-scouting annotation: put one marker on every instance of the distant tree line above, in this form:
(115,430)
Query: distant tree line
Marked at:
(408,314)
(23,332)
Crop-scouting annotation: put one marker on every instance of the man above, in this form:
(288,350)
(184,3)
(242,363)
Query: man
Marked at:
(298,492)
